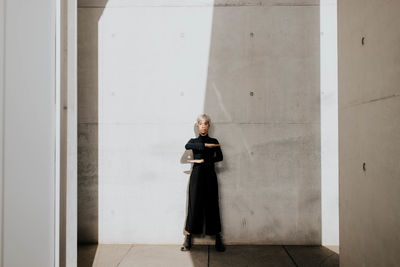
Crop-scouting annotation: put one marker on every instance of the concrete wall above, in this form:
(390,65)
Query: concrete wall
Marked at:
(369,131)
(148,68)
(29,136)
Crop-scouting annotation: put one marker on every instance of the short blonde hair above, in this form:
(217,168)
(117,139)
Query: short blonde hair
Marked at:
(204,117)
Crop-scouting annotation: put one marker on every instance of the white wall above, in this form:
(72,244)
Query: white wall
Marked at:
(146,112)
(369,131)
(329,125)
(29,137)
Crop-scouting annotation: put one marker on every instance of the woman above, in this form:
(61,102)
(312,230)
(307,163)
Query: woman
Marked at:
(203,187)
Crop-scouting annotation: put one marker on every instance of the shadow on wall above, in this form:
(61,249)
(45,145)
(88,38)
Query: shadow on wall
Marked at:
(263,95)
(261,89)
(88,18)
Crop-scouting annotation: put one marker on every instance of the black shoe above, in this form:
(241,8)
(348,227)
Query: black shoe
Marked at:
(219,246)
(187,245)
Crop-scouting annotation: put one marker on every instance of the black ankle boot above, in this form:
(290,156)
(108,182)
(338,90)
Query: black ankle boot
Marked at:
(187,244)
(219,246)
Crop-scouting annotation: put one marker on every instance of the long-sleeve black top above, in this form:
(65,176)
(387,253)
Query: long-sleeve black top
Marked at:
(200,151)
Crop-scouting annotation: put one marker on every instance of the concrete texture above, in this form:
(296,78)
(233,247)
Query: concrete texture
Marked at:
(190,3)
(369,130)
(144,255)
(313,255)
(250,256)
(253,67)
(205,255)
(87,173)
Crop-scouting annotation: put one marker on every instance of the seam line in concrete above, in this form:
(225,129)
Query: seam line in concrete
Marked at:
(219,123)
(209,6)
(290,256)
(326,259)
(370,101)
(123,257)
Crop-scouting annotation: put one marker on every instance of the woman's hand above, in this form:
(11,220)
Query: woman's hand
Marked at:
(211,145)
(196,160)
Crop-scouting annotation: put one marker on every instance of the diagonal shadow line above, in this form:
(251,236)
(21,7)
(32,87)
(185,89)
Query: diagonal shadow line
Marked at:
(123,257)
(326,258)
(290,256)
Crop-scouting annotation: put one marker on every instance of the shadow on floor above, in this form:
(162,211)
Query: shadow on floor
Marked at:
(86,254)
(205,255)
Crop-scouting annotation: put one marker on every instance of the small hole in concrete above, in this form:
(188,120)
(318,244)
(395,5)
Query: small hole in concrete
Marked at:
(362,40)
(364,167)
(251,93)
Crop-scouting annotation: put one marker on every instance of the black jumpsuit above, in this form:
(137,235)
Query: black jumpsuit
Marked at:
(203,201)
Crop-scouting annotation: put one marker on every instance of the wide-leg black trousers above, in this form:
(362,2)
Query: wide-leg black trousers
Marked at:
(203,204)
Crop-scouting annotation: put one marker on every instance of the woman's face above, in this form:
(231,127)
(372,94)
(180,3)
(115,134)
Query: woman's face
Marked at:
(203,126)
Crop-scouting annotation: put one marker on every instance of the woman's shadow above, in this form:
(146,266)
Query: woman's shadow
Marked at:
(188,154)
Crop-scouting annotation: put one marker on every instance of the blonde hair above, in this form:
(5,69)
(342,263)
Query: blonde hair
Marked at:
(204,117)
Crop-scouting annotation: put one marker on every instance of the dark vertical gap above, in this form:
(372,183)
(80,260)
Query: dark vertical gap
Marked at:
(208,255)
(63,134)
(88,126)
(290,256)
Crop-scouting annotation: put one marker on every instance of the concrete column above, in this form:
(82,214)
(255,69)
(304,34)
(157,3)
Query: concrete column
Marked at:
(369,131)
(68,130)
(29,132)
(329,125)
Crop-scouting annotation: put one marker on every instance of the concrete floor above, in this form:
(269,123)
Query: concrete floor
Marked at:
(122,255)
